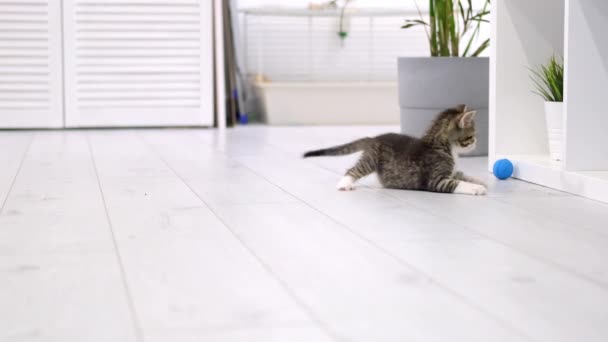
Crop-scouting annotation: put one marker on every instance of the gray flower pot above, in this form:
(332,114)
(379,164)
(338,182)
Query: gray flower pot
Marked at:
(428,85)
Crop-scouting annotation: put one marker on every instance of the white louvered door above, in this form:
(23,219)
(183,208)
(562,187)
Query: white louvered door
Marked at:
(30,64)
(138,62)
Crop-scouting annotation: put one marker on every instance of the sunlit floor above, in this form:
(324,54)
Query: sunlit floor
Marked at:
(190,235)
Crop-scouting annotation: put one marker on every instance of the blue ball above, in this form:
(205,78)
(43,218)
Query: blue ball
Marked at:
(503,169)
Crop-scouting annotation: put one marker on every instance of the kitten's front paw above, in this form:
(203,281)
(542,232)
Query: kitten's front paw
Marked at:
(480,182)
(480,189)
(470,189)
(346,184)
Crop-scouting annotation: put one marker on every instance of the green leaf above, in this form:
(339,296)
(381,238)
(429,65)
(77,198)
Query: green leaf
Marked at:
(433,40)
(413,22)
(462,15)
(450,21)
(481,48)
(453,36)
(548,80)
(419,21)
(478,19)
(480,15)
(469,44)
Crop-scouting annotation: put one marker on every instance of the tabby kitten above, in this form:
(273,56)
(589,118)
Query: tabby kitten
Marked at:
(404,162)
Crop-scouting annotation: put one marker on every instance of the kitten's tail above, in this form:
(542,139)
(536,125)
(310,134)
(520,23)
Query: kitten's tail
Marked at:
(355,146)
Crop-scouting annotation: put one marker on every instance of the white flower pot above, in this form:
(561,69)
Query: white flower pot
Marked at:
(554,115)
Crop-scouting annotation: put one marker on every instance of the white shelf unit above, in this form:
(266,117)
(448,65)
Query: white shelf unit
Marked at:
(525,34)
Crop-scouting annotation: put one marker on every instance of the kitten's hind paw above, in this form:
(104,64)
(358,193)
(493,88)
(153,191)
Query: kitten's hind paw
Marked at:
(347,183)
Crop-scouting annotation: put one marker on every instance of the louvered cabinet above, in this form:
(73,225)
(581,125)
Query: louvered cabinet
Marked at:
(106,63)
(30,64)
(138,62)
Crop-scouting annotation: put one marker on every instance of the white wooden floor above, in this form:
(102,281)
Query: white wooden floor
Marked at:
(189,235)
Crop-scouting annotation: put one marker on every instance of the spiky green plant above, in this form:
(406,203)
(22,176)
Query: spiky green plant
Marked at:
(549,80)
(449,23)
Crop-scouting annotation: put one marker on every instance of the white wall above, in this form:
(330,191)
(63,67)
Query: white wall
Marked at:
(309,49)
(286,48)
(405,4)
(304,3)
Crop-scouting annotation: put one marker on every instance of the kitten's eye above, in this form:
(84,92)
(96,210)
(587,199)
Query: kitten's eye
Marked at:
(467,141)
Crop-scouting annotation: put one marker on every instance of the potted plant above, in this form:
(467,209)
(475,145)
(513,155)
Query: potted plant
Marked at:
(549,84)
(452,74)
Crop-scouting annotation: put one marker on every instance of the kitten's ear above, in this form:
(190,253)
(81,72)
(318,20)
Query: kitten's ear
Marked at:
(466,119)
(461,108)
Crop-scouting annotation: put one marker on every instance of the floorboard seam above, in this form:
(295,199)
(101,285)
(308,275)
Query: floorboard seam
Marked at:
(603,235)
(136,323)
(10,188)
(299,302)
(540,259)
(405,263)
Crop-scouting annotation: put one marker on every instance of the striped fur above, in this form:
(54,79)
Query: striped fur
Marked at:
(350,148)
(404,162)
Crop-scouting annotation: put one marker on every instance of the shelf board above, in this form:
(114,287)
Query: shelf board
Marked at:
(541,170)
